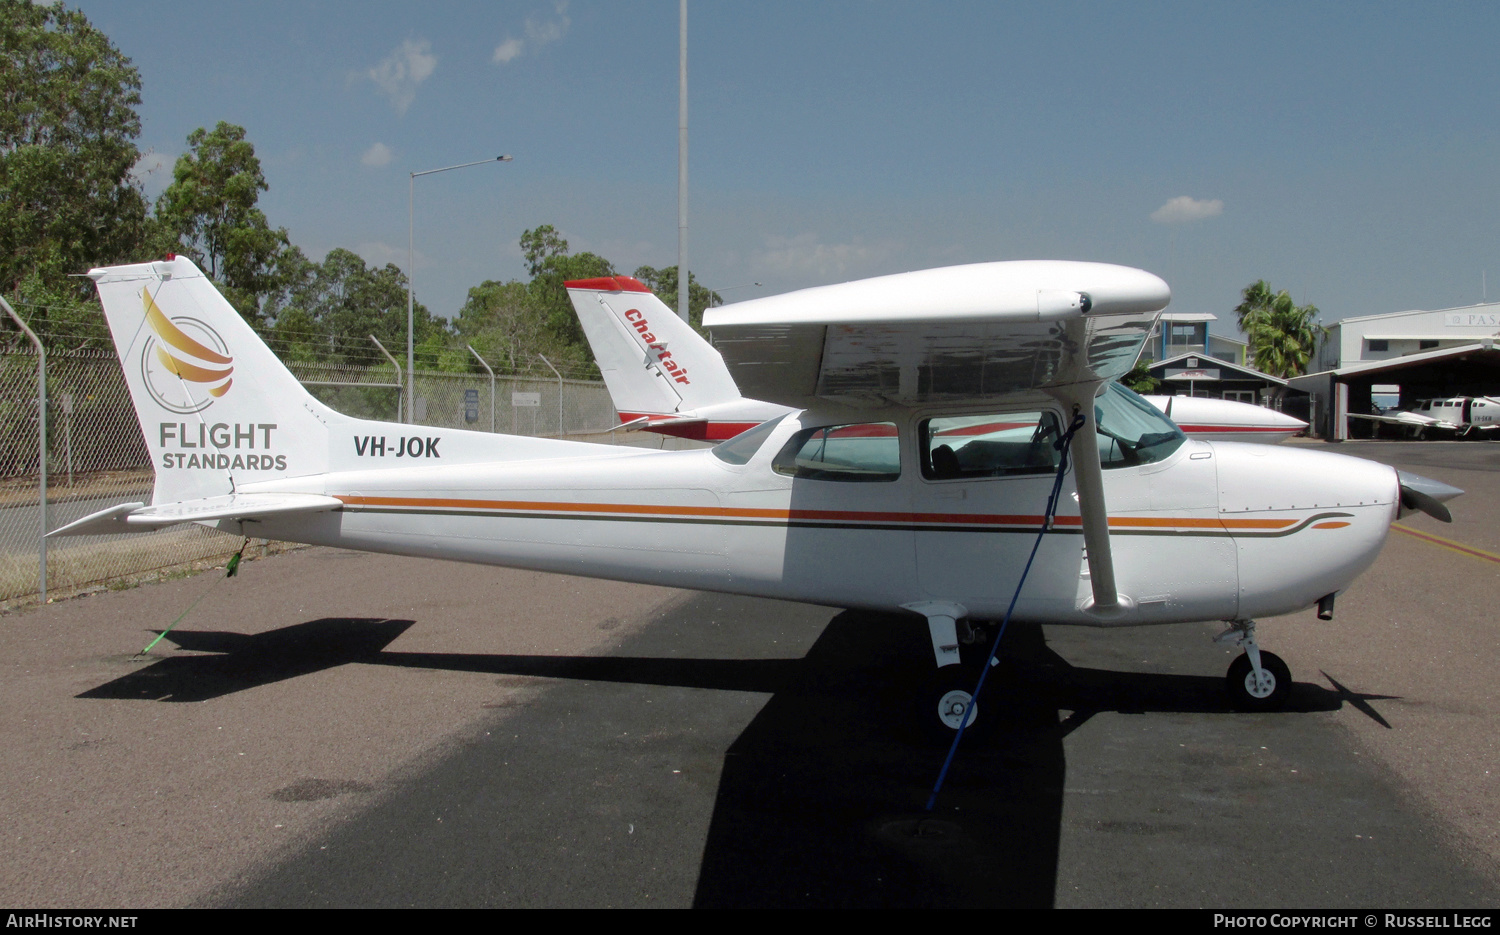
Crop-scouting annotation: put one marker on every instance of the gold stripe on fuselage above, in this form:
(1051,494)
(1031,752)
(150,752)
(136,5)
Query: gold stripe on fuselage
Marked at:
(852,519)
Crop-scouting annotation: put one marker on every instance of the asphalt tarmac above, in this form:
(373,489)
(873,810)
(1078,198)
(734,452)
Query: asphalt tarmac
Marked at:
(337,729)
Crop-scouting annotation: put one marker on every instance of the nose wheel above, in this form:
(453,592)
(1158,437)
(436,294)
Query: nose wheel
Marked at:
(1266,690)
(1257,680)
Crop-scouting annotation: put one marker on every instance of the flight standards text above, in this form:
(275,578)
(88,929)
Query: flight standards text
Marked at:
(201,445)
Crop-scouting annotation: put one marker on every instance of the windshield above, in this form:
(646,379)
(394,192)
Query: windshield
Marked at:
(741,448)
(1131,430)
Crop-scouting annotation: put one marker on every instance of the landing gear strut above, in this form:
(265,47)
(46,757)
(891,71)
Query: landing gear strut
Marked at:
(1257,680)
(950,690)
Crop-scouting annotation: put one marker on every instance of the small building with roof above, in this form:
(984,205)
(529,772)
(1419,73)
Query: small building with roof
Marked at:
(1402,334)
(1211,378)
(1179,333)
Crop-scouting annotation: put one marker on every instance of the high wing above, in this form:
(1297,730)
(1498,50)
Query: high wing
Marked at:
(963,334)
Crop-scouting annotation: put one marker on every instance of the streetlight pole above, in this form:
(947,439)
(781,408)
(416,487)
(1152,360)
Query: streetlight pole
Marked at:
(411,269)
(684,278)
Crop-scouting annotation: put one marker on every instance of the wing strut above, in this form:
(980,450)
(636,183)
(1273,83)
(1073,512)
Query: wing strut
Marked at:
(1091,506)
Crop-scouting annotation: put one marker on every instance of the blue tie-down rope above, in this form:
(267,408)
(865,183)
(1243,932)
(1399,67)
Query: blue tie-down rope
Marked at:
(1062,445)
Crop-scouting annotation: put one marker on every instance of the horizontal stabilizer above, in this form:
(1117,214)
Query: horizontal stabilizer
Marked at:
(137,517)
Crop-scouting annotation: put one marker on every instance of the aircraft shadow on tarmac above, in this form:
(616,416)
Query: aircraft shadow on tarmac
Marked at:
(821,798)
(234,662)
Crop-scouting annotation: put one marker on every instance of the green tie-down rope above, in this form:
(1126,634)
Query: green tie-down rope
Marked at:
(230,570)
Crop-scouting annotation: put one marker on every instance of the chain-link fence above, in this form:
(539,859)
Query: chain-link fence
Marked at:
(513,405)
(96,456)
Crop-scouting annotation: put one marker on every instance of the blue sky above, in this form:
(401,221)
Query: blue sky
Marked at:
(1346,152)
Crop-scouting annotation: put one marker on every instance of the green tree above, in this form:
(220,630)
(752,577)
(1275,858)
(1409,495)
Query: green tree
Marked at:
(211,208)
(1283,336)
(68,126)
(550,265)
(1140,379)
(663,282)
(328,311)
(541,244)
(501,322)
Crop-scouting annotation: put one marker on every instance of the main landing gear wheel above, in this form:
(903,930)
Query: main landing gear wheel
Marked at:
(941,709)
(1269,692)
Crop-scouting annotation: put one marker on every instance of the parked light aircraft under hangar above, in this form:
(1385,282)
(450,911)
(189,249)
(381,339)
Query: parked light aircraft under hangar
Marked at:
(677,384)
(1464,416)
(843,502)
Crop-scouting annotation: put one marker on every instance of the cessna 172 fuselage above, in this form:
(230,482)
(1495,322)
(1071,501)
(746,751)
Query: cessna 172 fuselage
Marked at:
(914,477)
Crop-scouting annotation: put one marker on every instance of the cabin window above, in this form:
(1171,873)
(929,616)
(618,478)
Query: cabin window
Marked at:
(1131,430)
(741,448)
(990,445)
(864,451)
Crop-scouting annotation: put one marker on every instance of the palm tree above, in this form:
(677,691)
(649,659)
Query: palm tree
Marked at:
(1283,336)
(1254,299)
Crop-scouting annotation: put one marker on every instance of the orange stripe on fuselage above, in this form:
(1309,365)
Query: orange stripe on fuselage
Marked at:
(766,513)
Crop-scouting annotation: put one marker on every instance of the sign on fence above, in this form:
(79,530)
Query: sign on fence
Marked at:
(525,400)
(471,405)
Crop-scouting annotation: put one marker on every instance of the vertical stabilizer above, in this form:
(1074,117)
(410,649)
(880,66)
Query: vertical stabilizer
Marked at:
(652,361)
(217,408)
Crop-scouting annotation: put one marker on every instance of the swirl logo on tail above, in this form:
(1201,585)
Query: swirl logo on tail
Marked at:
(185,363)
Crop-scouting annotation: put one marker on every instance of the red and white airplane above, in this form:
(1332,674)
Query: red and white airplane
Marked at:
(1225,420)
(868,494)
(664,377)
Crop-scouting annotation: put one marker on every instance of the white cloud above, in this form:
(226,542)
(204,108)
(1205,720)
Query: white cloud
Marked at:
(399,73)
(538,31)
(804,255)
(377,155)
(507,50)
(544,31)
(1182,209)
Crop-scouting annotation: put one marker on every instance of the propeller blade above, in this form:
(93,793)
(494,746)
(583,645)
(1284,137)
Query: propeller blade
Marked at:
(1425,494)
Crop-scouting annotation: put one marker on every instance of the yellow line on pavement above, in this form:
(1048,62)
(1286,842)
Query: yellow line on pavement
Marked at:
(1448,543)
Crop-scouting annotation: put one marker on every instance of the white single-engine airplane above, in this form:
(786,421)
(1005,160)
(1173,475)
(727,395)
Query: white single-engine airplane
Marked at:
(1464,416)
(677,384)
(869,495)
(1225,420)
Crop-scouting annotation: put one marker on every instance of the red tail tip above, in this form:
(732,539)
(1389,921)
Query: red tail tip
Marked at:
(608,284)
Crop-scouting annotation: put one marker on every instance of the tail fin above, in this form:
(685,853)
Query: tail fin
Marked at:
(216,406)
(653,362)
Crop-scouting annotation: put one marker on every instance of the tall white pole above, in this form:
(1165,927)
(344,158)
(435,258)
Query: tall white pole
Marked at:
(411,272)
(682,191)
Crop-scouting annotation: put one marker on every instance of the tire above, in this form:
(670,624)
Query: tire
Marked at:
(1246,696)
